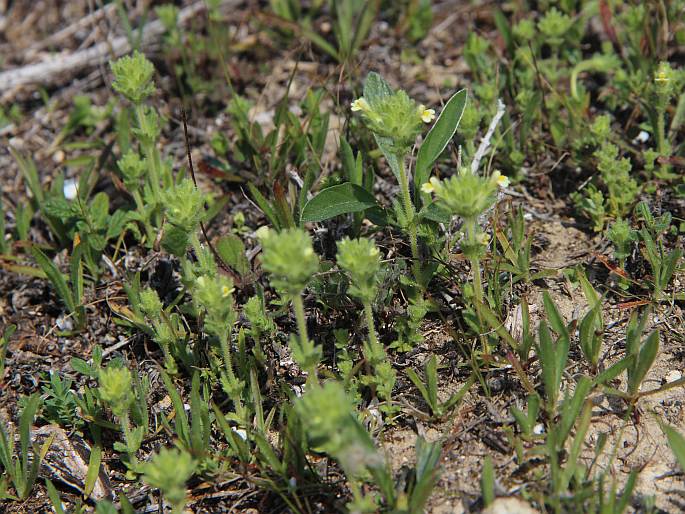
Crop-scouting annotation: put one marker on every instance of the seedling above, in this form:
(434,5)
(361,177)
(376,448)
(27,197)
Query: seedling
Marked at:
(126,398)
(72,294)
(168,471)
(662,262)
(23,471)
(429,389)
(7,334)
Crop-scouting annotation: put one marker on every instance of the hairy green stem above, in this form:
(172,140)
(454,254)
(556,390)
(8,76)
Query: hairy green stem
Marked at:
(471,228)
(410,213)
(298,305)
(471,235)
(368,314)
(150,152)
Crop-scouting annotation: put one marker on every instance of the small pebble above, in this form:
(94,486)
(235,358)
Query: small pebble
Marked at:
(70,189)
(673,375)
(642,137)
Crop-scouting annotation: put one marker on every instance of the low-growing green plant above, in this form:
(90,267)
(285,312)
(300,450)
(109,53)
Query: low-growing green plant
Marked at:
(145,173)
(7,334)
(126,398)
(516,248)
(361,259)
(59,402)
(192,434)
(168,471)
(621,189)
(662,261)
(71,294)
(332,427)
(643,352)
(469,196)
(23,470)
(429,389)
(290,260)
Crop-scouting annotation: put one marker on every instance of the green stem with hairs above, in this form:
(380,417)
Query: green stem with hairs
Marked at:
(368,315)
(152,155)
(298,305)
(410,213)
(471,226)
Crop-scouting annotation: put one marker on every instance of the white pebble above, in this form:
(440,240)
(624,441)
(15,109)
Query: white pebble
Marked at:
(70,189)
(673,375)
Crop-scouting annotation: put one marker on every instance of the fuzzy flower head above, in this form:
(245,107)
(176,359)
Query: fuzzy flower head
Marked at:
(133,77)
(115,389)
(390,114)
(289,258)
(214,296)
(168,471)
(465,195)
(665,82)
(361,259)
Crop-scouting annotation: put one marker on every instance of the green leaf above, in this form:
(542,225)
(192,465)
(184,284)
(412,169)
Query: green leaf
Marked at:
(232,251)
(614,370)
(555,318)
(264,205)
(376,89)
(414,377)
(93,470)
(432,380)
(54,497)
(56,277)
(487,482)
(439,136)
(385,146)
(677,443)
(336,200)
(99,210)
(175,240)
(434,212)
(645,360)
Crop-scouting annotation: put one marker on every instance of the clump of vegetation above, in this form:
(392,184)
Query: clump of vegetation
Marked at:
(377,274)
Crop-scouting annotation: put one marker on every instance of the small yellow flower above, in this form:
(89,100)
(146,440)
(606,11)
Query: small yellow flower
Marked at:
(226,291)
(502,180)
(427,115)
(360,104)
(661,77)
(430,186)
(483,238)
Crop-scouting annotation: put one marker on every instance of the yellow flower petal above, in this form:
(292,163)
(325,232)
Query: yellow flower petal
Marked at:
(661,76)
(360,104)
(427,115)
(427,188)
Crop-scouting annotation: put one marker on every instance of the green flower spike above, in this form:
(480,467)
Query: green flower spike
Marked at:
(289,258)
(362,260)
(133,77)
